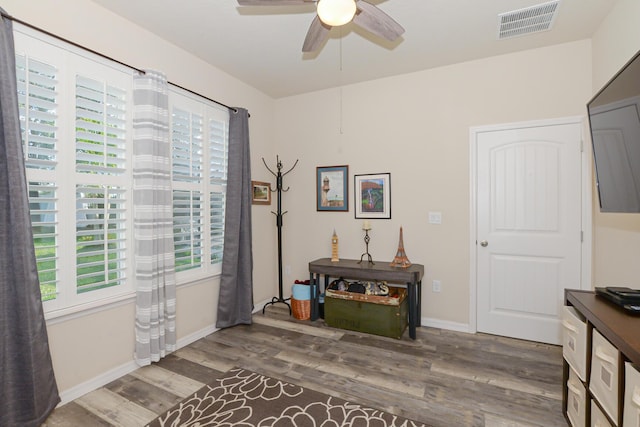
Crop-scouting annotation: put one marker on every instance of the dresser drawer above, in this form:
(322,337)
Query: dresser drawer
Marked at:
(605,373)
(631,396)
(574,341)
(598,419)
(576,400)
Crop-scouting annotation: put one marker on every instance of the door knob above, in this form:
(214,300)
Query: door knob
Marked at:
(484,243)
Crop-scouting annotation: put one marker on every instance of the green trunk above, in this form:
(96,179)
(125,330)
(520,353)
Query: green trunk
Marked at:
(378,319)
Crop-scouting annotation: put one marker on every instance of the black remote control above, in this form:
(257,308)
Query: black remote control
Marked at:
(624,292)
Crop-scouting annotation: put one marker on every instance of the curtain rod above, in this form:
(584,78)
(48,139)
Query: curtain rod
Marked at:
(33,27)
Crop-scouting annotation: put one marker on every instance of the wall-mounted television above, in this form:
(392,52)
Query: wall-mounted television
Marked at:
(614,121)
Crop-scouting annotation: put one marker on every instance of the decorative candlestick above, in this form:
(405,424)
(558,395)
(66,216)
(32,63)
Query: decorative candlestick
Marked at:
(334,247)
(366,226)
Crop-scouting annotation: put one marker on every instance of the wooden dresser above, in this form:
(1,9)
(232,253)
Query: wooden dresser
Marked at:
(610,354)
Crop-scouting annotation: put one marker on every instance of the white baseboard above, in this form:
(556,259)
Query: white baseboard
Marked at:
(96,382)
(445,324)
(122,370)
(258,306)
(425,321)
(191,338)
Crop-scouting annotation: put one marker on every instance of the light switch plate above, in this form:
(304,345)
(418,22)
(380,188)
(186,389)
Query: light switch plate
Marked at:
(435,217)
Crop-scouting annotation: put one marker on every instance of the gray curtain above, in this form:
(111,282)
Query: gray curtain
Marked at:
(28,390)
(235,302)
(153,220)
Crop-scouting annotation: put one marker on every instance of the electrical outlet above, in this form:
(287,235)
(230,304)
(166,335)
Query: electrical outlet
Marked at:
(287,270)
(437,286)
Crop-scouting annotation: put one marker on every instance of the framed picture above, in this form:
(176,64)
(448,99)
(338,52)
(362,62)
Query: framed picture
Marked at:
(260,193)
(332,189)
(373,195)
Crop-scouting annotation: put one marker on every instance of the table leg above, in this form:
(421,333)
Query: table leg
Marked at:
(419,310)
(411,290)
(313,283)
(326,286)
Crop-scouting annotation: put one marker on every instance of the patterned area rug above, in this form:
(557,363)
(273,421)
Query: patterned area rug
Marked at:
(245,399)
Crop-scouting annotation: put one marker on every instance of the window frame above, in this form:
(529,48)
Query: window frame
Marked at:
(67,59)
(70,62)
(187,101)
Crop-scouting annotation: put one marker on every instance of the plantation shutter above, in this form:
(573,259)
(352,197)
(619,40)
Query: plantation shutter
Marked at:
(73,115)
(100,132)
(187,169)
(100,127)
(218,136)
(37,99)
(37,84)
(218,160)
(187,146)
(187,225)
(101,237)
(43,209)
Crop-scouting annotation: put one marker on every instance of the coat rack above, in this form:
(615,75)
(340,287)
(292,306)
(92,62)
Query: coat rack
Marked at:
(279,214)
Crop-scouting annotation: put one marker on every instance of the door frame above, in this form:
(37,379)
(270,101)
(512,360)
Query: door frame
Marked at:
(586,204)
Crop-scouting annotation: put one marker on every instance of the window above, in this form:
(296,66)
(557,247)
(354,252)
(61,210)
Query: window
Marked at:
(75,114)
(199,137)
(75,121)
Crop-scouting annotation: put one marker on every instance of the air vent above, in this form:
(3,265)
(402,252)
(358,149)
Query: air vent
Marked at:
(529,20)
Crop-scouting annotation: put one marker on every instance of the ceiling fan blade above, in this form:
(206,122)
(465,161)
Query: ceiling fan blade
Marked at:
(272,2)
(317,34)
(376,21)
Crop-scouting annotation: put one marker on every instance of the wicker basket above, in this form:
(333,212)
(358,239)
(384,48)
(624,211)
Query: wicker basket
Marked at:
(301,308)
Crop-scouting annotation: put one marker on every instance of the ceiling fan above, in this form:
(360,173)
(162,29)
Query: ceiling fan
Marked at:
(333,13)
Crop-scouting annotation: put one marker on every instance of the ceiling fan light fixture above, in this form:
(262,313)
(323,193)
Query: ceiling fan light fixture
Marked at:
(336,12)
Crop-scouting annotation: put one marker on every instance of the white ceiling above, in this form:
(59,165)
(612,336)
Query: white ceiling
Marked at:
(262,45)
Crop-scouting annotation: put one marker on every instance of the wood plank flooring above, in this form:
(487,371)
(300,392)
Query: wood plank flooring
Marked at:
(442,378)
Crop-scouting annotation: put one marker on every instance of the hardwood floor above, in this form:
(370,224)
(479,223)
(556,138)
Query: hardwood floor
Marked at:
(442,378)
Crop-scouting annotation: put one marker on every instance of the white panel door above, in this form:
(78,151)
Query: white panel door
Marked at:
(528,228)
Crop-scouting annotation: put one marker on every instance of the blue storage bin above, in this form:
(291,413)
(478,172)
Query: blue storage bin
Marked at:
(301,292)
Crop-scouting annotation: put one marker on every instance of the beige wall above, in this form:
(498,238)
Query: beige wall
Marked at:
(616,236)
(416,127)
(87,347)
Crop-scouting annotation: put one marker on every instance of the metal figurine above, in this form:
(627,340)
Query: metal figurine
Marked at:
(279,214)
(401,259)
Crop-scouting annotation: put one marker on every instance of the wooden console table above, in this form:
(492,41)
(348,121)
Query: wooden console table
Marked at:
(410,278)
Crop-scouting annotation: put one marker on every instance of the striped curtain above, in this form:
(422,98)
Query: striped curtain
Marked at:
(153,220)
